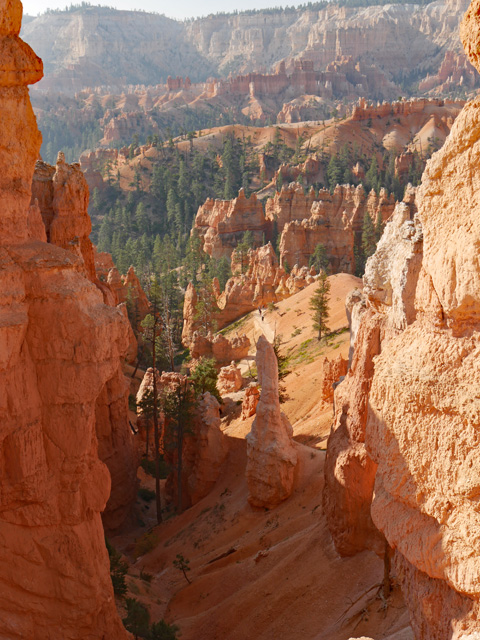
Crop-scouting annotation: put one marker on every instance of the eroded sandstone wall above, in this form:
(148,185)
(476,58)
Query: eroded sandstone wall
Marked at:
(422,410)
(59,345)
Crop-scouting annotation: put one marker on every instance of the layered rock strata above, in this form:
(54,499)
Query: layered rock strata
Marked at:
(302,220)
(59,346)
(219,347)
(271,454)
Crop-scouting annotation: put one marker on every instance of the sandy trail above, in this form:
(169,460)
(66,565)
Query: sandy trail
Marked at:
(264,326)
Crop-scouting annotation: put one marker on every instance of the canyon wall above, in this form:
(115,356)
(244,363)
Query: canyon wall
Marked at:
(96,45)
(302,221)
(417,420)
(59,346)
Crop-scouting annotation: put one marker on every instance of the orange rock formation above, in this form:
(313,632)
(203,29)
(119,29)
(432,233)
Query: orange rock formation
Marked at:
(219,347)
(302,220)
(59,347)
(230,379)
(417,426)
(333,370)
(271,454)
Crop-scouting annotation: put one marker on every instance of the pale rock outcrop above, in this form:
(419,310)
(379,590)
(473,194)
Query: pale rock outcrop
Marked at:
(250,401)
(219,347)
(333,370)
(189,310)
(383,311)
(425,441)
(271,454)
(59,346)
(230,379)
(423,405)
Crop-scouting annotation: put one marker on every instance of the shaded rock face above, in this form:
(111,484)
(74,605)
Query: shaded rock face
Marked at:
(54,568)
(376,316)
(271,454)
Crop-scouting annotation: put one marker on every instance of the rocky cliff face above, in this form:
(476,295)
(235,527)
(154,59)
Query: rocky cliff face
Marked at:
(59,346)
(421,410)
(220,224)
(271,455)
(100,46)
(303,220)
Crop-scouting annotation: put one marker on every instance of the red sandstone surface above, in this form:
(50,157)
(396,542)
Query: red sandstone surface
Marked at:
(60,347)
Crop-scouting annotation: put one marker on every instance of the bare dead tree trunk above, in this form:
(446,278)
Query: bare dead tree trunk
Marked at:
(387,583)
(156,430)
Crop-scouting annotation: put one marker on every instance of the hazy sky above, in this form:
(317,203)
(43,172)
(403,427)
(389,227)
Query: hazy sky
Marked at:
(173,8)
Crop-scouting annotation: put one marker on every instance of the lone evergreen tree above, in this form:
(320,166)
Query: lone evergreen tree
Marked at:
(369,242)
(319,305)
(319,259)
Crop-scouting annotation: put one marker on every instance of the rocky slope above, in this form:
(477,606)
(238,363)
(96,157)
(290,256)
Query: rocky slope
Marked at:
(416,426)
(95,46)
(59,346)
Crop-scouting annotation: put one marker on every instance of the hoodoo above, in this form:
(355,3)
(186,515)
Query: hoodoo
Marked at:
(59,347)
(270,449)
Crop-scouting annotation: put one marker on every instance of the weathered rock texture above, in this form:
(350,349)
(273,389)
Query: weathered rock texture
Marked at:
(97,47)
(333,370)
(219,347)
(59,346)
(230,379)
(220,224)
(250,401)
(271,455)
(420,427)
(264,282)
(389,284)
(303,221)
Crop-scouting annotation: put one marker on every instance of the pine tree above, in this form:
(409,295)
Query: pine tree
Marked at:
(369,243)
(319,305)
(178,406)
(319,259)
(137,619)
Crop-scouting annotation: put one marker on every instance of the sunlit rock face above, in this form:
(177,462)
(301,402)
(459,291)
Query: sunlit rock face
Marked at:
(59,346)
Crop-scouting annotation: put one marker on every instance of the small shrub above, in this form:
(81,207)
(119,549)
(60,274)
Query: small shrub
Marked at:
(146,577)
(137,619)
(146,494)
(163,631)
(297,332)
(147,543)
(118,570)
(182,564)
(132,402)
(149,467)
